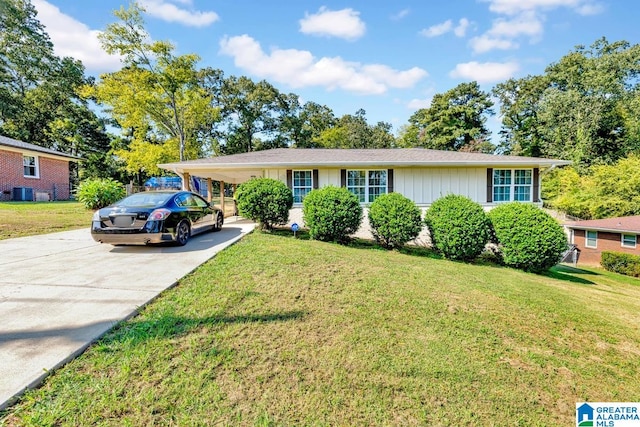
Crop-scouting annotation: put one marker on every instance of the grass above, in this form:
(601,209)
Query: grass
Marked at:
(19,219)
(282,331)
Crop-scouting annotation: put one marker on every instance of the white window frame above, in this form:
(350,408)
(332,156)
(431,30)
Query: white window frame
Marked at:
(35,166)
(587,238)
(365,195)
(635,239)
(511,184)
(304,188)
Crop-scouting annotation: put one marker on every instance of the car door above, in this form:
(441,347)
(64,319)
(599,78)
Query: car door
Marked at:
(202,213)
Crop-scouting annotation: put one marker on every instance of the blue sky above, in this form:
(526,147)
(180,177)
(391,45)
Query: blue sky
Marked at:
(387,57)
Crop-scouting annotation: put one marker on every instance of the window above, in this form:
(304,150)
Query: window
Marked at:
(512,185)
(629,240)
(30,166)
(367,185)
(302,184)
(591,239)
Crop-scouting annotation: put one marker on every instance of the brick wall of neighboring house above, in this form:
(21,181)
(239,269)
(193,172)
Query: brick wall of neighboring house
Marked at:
(606,241)
(53,177)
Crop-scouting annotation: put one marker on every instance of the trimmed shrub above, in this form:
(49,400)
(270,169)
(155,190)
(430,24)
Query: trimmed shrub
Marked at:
(618,262)
(458,226)
(529,238)
(394,220)
(100,192)
(264,200)
(331,214)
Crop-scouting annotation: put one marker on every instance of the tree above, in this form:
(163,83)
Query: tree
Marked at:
(353,131)
(249,110)
(302,125)
(39,99)
(584,108)
(159,95)
(454,120)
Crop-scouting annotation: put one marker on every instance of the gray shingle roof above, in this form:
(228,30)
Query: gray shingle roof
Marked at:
(363,157)
(9,142)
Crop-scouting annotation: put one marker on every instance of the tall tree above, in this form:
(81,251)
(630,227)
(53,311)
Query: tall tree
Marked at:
(456,120)
(300,125)
(39,100)
(353,131)
(581,109)
(159,95)
(250,114)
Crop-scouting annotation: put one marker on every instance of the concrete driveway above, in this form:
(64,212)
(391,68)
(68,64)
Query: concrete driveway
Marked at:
(60,292)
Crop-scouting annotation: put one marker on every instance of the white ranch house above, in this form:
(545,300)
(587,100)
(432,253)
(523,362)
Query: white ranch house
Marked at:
(421,175)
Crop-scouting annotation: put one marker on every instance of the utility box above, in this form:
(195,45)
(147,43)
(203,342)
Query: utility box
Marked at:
(23,194)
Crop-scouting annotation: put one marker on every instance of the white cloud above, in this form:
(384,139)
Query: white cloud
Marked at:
(438,29)
(398,16)
(345,24)
(73,38)
(461,28)
(169,12)
(527,24)
(299,68)
(514,7)
(485,72)
(525,19)
(417,104)
(485,43)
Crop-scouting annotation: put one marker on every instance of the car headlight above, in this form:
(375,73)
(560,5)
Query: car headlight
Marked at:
(96,216)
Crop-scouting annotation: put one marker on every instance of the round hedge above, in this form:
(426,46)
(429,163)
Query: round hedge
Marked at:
(331,214)
(528,238)
(458,226)
(394,220)
(100,192)
(264,200)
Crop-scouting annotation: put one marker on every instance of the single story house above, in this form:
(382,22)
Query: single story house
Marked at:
(421,175)
(29,172)
(591,237)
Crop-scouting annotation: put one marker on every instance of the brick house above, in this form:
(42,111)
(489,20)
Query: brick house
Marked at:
(591,237)
(31,172)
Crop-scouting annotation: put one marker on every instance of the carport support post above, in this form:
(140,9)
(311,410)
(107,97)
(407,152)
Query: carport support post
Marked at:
(186,181)
(222,196)
(209,190)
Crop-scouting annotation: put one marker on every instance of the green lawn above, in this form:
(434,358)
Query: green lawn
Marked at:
(18,219)
(282,331)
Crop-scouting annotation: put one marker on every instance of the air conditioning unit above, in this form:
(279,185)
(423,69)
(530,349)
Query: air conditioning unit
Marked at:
(23,194)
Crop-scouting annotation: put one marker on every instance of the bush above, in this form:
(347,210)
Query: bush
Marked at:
(331,213)
(618,262)
(458,226)
(100,192)
(394,220)
(528,238)
(264,200)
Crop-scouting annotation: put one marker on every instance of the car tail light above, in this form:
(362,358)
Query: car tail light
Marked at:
(159,214)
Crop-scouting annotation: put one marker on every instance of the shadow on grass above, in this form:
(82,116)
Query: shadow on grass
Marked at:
(138,330)
(570,274)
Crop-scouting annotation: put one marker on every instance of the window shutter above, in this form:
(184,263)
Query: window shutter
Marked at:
(290,179)
(489,185)
(536,184)
(315,179)
(389,180)
(343,177)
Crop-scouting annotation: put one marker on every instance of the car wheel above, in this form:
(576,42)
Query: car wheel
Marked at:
(219,222)
(182,233)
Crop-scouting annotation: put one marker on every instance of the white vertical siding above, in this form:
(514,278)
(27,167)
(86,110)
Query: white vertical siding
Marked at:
(426,185)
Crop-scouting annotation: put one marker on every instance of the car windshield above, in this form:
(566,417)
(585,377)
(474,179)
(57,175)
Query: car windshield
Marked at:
(145,199)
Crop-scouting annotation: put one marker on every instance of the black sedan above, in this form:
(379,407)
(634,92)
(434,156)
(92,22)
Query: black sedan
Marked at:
(155,217)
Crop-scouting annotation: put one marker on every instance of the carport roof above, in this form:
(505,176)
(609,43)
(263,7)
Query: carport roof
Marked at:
(237,168)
